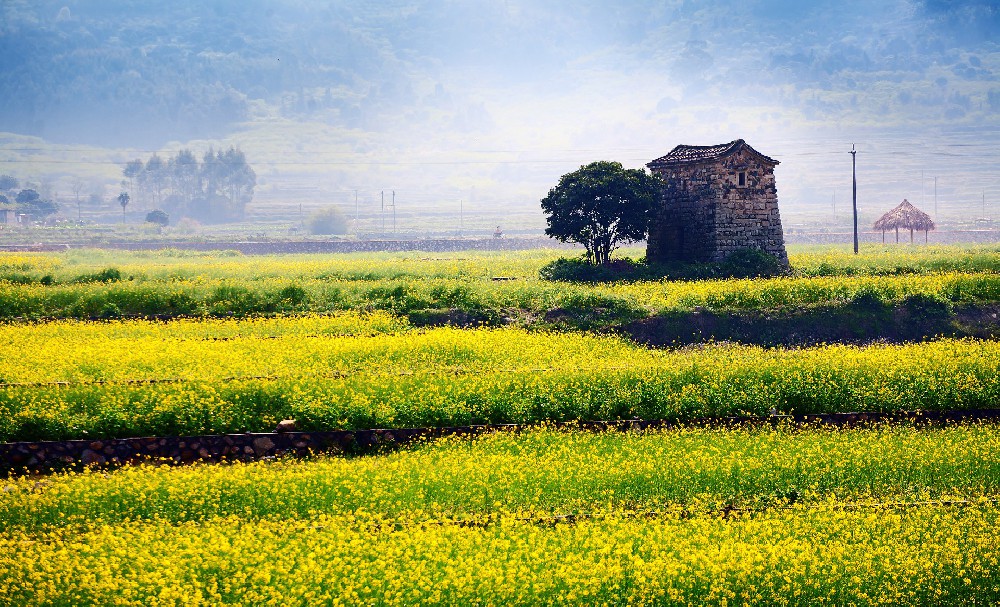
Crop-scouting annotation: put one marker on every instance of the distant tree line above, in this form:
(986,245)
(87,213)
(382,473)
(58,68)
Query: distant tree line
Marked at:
(25,201)
(215,190)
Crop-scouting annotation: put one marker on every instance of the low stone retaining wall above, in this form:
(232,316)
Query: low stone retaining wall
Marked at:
(39,457)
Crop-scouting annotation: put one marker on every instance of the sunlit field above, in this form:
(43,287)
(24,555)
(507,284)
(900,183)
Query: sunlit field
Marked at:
(495,286)
(113,344)
(71,379)
(780,516)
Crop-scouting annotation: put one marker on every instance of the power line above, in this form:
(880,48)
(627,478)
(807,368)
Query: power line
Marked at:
(967,151)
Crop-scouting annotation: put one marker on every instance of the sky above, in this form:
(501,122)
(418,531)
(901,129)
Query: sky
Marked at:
(487,103)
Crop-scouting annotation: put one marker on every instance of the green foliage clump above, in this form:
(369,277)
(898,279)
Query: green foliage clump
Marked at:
(746,263)
(217,189)
(110,311)
(751,263)
(158,217)
(32,204)
(868,299)
(601,206)
(928,305)
(580,270)
(17,278)
(327,221)
(105,275)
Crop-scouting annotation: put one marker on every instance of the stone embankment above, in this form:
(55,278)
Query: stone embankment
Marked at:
(40,457)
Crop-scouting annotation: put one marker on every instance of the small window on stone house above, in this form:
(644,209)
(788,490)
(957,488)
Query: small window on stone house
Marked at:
(741,179)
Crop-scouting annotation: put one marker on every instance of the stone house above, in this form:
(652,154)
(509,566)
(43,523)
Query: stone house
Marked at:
(718,199)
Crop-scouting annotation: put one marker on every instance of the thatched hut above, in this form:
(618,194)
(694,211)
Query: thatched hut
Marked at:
(905,216)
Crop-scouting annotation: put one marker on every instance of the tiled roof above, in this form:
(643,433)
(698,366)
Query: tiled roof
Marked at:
(690,154)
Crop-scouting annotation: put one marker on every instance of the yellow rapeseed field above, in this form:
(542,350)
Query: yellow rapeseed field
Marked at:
(73,379)
(894,516)
(784,515)
(77,284)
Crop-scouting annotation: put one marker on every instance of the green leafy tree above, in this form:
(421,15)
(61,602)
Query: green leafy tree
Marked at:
(133,169)
(154,178)
(327,221)
(123,199)
(8,183)
(237,182)
(32,204)
(215,190)
(185,180)
(601,206)
(27,196)
(158,217)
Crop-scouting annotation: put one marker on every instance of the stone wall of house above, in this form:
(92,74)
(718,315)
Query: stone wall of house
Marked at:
(707,215)
(748,217)
(682,230)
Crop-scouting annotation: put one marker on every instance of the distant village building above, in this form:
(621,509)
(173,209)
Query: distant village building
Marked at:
(905,216)
(718,199)
(7,215)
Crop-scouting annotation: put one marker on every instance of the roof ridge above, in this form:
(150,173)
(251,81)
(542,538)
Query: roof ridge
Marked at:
(690,154)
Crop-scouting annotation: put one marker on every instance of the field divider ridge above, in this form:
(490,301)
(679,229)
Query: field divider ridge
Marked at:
(37,457)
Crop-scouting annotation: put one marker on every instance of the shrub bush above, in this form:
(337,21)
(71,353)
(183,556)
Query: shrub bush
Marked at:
(327,221)
(158,217)
(745,263)
(928,305)
(751,263)
(580,270)
(867,299)
(105,275)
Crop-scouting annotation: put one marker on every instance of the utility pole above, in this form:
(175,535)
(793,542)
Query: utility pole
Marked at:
(854,191)
(355,209)
(835,204)
(461,218)
(383,213)
(394,212)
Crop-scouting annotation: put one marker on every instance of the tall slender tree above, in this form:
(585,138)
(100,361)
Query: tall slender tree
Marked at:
(123,199)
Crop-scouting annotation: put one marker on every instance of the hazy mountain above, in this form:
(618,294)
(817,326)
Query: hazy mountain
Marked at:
(559,82)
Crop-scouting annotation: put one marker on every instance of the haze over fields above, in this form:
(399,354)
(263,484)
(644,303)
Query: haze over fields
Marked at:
(486,104)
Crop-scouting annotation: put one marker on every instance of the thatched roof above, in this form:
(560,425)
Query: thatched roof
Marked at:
(905,216)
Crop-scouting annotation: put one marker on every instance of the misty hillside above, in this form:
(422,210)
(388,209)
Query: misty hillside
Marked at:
(143,72)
